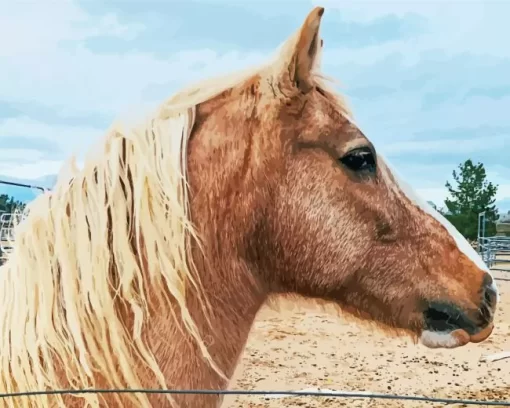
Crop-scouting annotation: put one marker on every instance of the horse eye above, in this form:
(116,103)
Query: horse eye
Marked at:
(360,160)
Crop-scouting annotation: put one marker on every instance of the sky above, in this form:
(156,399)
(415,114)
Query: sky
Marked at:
(428,81)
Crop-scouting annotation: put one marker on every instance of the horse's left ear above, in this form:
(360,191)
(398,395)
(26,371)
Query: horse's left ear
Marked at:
(301,53)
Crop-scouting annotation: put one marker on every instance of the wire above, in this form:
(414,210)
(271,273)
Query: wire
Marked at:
(328,394)
(12,183)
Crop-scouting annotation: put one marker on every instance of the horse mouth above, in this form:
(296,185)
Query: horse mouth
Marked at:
(447,326)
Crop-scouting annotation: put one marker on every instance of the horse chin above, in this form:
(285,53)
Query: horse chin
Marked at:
(454,338)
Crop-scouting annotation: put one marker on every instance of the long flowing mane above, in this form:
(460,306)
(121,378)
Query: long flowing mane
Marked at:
(113,235)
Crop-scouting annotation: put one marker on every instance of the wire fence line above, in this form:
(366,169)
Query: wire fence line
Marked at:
(266,394)
(16,184)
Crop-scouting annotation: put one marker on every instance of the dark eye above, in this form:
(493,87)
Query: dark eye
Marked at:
(360,160)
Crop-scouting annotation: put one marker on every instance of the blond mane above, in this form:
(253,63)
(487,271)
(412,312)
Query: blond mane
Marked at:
(111,233)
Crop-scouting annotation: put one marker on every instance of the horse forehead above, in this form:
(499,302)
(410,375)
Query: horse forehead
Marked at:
(321,118)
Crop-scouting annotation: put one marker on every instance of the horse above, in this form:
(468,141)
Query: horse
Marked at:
(145,267)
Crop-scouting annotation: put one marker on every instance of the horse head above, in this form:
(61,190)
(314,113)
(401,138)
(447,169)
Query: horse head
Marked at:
(291,188)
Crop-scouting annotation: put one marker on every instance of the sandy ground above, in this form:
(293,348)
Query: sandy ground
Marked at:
(299,349)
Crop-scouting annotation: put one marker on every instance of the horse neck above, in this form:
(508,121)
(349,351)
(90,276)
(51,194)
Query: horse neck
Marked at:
(231,310)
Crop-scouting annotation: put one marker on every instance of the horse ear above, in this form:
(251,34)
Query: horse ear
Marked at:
(301,53)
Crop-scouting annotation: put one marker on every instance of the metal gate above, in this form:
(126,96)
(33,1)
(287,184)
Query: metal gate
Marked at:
(7,223)
(9,220)
(495,251)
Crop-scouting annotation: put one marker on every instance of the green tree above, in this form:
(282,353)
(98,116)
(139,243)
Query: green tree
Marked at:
(471,195)
(9,204)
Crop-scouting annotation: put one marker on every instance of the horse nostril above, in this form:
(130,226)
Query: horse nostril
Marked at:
(488,280)
(486,313)
(490,295)
(442,317)
(489,301)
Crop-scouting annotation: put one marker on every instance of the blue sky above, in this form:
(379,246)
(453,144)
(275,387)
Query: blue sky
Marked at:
(428,81)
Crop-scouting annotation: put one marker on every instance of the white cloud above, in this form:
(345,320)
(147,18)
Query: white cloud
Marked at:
(39,27)
(106,83)
(69,139)
(464,146)
(503,184)
(452,26)
(30,163)
(9,156)
(32,170)
(439,194)
(48,62)
(369,10)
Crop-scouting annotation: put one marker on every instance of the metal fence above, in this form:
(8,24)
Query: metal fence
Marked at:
(7,223)
(495,252)
(9,220)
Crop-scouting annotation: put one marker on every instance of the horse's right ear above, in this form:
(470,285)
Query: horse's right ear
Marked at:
(300,54)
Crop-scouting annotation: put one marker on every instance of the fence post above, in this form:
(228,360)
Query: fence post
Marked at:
(481,231)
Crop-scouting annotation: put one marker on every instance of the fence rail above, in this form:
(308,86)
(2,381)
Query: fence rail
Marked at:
(495,252)
(269,394)
(7,223)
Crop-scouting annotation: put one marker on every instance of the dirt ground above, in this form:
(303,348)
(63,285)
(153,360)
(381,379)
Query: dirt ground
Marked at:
(305,348)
